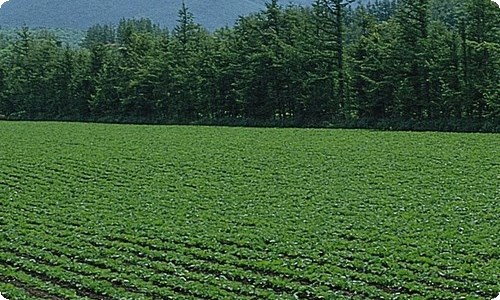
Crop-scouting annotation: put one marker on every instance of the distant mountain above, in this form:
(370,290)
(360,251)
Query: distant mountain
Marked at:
(81,14)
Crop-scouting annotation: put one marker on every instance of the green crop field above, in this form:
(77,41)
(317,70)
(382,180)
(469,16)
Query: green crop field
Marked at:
(162,212)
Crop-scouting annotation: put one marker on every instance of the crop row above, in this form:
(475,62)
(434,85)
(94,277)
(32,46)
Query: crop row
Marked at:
(207,256)
(117,212)
(340,250)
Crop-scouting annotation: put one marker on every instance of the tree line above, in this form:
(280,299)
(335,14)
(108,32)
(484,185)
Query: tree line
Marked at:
(407,64)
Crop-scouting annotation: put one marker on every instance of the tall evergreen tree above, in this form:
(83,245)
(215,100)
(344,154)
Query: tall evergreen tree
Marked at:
(419,64)
(330,20)
(371,68)
(412,20)
(99,35)
(3,103)
(382,10)
(481,48)
(188,45)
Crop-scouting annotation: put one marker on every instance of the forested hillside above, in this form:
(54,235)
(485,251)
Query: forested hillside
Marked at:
(67,37)
(81,14)
(410,64)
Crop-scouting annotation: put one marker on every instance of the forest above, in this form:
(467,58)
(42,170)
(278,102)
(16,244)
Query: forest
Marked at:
(406,65)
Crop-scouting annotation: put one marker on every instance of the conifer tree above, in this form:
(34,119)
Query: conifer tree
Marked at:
(330,21)
(481,59)
(412,19)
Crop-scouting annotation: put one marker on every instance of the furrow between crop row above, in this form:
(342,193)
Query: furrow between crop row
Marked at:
(134,275)
(15,291)
(359,269)
(25,288)
(251,271)
(361,276)
(60,259)
(187,262)
(349,258)
(84,287)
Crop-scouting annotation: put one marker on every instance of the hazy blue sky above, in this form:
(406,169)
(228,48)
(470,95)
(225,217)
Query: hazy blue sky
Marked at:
(2,1)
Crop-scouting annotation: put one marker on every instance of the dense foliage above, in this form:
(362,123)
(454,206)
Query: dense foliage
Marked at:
(93,211)
(410,64)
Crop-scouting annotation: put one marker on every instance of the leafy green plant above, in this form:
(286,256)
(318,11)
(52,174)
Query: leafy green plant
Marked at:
(168,212)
